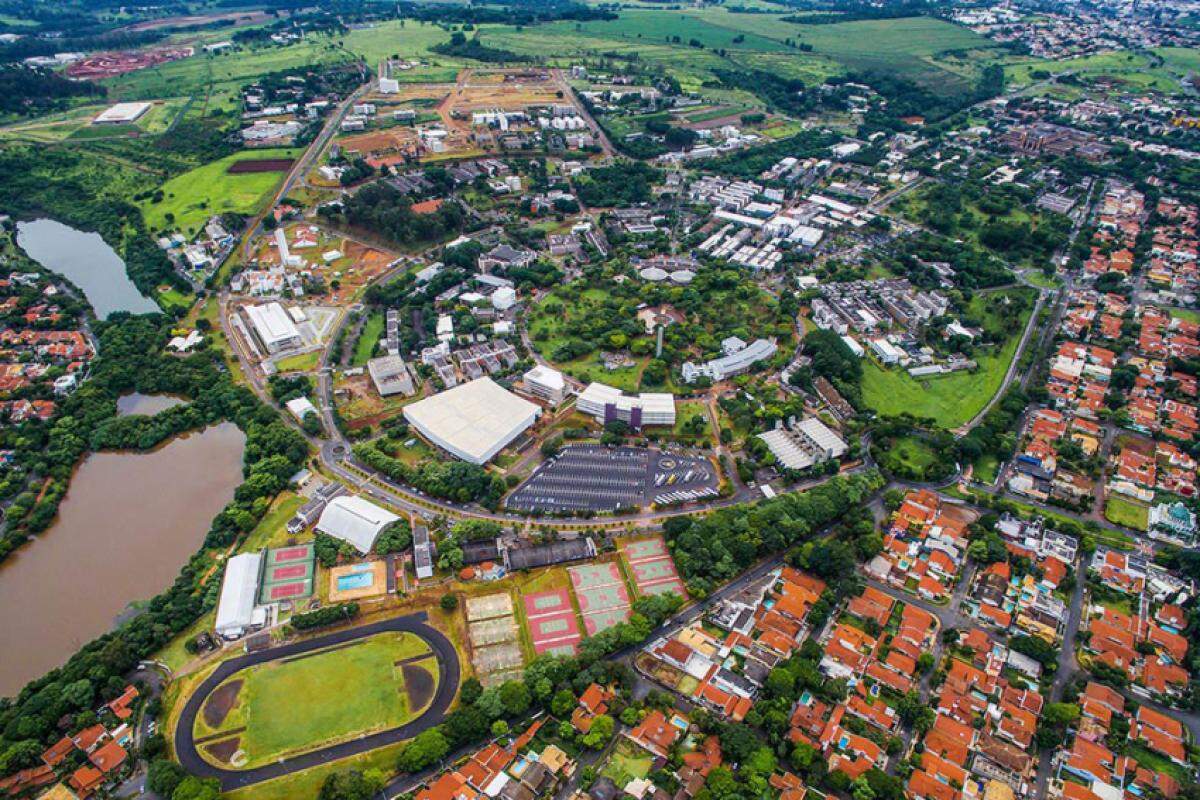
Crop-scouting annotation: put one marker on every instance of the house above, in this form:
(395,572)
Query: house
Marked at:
(655,734)
(592,703)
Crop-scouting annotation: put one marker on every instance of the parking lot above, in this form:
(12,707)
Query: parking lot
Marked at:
(596,478)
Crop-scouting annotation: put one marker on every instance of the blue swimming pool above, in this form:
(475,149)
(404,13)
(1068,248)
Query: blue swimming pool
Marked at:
(355,580)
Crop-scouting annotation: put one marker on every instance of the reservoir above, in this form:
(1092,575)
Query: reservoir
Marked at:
(147,404)
(129,522)
(87,261)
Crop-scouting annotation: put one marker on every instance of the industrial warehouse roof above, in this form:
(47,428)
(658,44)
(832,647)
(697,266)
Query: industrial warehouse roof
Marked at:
(473,421)
(273,323)
(355,520)
(235,610)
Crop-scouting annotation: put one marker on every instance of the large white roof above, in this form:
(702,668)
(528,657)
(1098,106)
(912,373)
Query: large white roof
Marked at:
(273,323)
(235,610)
(474,420)
(355,520)
(122,112)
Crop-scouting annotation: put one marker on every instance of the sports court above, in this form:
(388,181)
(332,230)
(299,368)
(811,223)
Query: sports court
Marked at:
(495,648)
(288,574)
(603,598)
(552,624)
(652,567)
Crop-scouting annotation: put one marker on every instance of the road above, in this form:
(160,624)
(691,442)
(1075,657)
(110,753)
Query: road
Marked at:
(447,690)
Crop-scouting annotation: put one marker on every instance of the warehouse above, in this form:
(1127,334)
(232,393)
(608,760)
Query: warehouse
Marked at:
(273,327)
(236,611)
(608,404)
(355,520)
(121,114)
(390,375)
(799,446)
(473,421)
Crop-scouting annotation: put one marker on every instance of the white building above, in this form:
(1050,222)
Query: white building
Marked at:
(854,346)
(546,383)
(504,298)
(887,352)
(608,404)
(300,407)
(273,327)
(391,376)
(121,114)
(804,445)
(473,421)
(738,358)
(355,520)
(236,610)
(389,86)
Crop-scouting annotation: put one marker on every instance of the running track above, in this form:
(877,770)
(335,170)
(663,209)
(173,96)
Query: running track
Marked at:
(448,668)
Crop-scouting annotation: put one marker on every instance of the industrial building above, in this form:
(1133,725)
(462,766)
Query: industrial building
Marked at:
(472,421)
(236,609)
(121,114)
(799,446)
(391,376)
(738,357)
(273,327)
(608,404)
(422,552)
(546,383)
(355,520)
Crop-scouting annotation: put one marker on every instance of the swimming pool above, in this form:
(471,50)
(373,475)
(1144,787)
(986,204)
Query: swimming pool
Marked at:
(355,580)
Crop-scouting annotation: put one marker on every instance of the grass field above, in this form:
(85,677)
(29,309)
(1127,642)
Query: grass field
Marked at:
(298,705)
(1126,513)
(912,452)
(196,195)
(372,332)
(304,362)
(1159,69)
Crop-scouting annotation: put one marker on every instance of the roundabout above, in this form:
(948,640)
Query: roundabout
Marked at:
(277,711)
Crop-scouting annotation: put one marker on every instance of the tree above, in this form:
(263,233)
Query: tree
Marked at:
(426,749)
(449,601)
(499,728)
(563,703)
(515,698)
(601,732)
(352,785)
(193,788)
(164,776)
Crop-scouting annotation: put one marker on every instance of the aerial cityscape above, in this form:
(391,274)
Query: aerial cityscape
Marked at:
(579,400)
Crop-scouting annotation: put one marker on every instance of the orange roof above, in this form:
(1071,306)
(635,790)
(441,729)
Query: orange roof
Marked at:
(448,786)
(84,779)
(427,206)
(108,757)
(58,751)
(655,732)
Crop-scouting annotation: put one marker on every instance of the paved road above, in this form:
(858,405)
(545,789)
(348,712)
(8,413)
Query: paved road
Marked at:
(447,689)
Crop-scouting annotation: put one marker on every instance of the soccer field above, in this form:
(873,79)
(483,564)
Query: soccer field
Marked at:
(294,705)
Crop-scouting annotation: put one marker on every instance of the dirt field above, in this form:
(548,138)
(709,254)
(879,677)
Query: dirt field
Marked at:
(223,751)
(106,65)
(259,165)
(220,703)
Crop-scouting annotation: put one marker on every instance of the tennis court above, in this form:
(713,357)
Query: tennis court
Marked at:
(488,606)
(289,574)
(652,567)
(493,631)
(603,597)
(552,624)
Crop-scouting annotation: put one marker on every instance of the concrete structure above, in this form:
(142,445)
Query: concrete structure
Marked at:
(803,445)
(391,376)
(355,520)
(473,421)
(273,327)
(422,552)
(121,114)
(546,383)
(236,611)
(737,359)
(608,404)
(300,407)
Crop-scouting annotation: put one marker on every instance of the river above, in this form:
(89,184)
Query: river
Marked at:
(128,524)
(87,261)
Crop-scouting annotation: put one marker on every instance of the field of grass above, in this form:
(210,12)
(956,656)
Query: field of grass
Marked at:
(308,782)
(304,362)
(196,195)
(271,530)
(295,706)
(913,453)
(627,762)
(1186,314)
(1126,513)
(1159,69)
(372,332)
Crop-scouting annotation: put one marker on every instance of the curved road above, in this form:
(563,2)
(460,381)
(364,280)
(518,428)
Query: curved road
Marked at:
(447,689)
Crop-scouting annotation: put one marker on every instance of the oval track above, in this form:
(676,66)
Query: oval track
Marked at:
(448,676)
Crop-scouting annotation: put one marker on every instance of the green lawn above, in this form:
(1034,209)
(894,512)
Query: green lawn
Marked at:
(196,195)
(1186,314)
(985,469)
(372,332)
(1162,69)
(270,530)
(293,706)
(304,362)
(627,762)
(949,400)
(1126,513)
(909,455)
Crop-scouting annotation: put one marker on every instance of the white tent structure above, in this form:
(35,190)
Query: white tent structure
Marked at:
(235,609)
(355,520)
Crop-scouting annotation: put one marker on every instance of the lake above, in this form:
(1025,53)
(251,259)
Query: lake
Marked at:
(87,261)
(128,524)
(148,404)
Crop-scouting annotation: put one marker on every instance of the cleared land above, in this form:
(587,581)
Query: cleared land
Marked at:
(293,705)
(196,195)
(1127,513)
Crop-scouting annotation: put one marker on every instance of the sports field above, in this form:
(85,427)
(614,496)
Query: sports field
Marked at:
(552,624)
(652,567)
(603,597)
(293,705)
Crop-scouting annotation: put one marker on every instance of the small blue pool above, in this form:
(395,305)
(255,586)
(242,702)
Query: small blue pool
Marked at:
(355,580)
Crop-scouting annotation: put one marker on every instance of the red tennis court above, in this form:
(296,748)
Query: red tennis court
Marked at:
(285,590)
(541,604)
(290,554)
(290,571)
(551,621)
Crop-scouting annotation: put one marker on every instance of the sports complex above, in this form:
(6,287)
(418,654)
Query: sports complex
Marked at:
(276,711)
